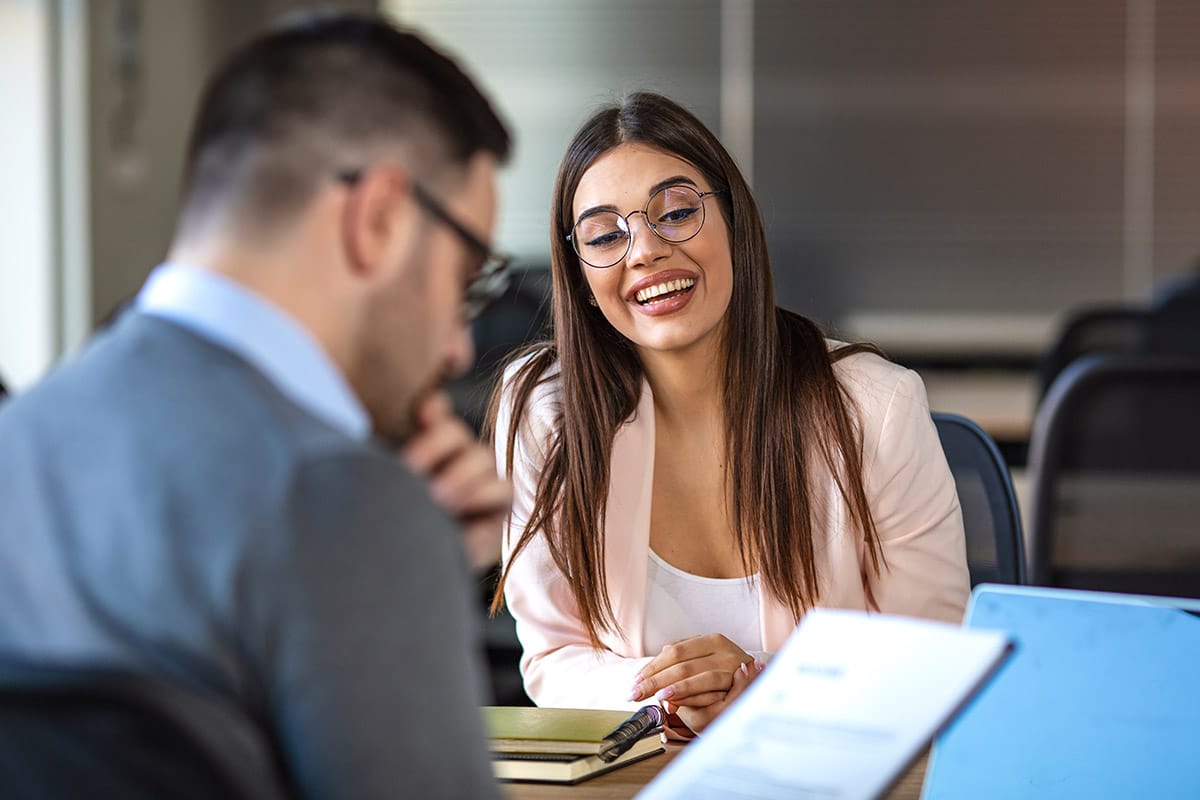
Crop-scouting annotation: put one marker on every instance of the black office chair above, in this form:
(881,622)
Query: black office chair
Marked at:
(995,547)
(1115,467)
(1173,324)
(69,732)
(519,316)
(1111,330)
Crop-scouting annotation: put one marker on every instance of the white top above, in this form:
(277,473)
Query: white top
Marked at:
(680,604)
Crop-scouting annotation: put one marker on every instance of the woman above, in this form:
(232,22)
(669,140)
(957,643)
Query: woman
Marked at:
(693,467)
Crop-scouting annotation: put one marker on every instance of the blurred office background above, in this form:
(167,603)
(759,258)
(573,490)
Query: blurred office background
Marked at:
(944,177)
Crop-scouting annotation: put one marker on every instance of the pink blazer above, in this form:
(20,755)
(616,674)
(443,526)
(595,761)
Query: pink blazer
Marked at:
(909,487)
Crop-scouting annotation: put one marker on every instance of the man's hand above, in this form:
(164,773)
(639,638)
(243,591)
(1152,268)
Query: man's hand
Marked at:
(462,476)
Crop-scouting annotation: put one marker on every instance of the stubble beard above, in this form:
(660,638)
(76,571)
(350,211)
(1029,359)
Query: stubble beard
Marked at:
(397,327)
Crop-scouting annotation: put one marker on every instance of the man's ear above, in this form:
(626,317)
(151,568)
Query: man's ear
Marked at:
(379,220)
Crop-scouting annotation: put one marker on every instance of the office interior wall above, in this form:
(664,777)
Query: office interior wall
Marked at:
(977,160)
(147,64)
(918,158)
(931,160)
(27,334)
(548,64)
(98,96)
(1176,198)
(942,156)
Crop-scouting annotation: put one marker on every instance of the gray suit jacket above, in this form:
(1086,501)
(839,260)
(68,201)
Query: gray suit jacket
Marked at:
(164,508)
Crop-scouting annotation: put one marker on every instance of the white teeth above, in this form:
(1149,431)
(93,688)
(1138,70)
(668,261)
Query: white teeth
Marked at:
(650,292)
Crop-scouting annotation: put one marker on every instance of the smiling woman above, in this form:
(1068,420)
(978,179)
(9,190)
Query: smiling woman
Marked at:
(695,468)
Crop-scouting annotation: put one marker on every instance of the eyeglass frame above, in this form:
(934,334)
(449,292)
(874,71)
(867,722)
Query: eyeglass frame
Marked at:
(644,211)
(492,278)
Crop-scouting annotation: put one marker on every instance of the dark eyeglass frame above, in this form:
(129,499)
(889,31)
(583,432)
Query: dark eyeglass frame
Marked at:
(492,276)
(645,212)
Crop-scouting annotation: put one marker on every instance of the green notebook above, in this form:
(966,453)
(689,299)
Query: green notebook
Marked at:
(558,768)
(576,731)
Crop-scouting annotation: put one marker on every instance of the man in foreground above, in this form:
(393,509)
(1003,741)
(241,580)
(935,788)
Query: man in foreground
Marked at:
(209,496)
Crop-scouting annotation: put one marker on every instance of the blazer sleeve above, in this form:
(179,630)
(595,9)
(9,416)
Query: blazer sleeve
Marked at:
(916,511)
(558,663)
(368,637)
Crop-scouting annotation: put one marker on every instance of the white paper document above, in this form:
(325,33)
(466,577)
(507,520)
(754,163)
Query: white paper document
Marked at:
(840,711)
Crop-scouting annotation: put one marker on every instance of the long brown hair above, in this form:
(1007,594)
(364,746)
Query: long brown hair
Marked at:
(785,411)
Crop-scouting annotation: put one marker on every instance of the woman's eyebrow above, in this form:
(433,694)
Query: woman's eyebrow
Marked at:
(674,180)
(596,210)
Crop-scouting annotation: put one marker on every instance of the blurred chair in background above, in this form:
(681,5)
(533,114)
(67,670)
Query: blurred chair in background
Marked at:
(1173,327)
(1115,469)
(519,316)
(1091,331)
(1168,325)
(88,732)
(995,545)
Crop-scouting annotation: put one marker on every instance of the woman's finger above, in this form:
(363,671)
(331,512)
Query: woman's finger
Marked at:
(703,683)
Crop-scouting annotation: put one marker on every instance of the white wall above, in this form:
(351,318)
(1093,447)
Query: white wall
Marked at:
(27,291)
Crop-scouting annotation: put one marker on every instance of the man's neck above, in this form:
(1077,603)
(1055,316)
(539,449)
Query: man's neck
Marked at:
(280,275)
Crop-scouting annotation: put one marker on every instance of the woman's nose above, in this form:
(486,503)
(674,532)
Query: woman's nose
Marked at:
(644,245)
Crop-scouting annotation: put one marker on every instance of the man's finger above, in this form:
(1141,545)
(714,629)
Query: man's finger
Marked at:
(432,447)
(481,540)
(433,407)
(469,472)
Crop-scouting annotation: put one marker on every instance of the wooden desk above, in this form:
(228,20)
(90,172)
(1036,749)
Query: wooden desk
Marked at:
(624,783)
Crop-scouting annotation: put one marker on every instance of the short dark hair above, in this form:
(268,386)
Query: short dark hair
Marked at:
(321,93)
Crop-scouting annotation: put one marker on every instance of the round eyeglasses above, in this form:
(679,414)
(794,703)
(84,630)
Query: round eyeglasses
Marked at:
(602,238)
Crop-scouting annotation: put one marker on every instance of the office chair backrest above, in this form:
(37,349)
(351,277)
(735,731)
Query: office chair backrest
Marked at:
(518,316)
(1111,330)
(995,547)
(1173,327)
(87,732)
(1115,467)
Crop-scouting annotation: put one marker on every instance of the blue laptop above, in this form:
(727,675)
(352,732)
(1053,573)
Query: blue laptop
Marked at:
(1100,699)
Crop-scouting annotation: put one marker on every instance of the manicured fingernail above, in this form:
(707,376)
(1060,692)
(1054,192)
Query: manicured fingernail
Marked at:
(742,667)
(636,694)
(759,666)
(665,694)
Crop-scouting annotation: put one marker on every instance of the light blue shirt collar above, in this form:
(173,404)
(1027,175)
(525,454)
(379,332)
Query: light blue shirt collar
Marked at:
(231,316)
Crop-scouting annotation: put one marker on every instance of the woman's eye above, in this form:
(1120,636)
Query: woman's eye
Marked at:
(606,239)
(677,215)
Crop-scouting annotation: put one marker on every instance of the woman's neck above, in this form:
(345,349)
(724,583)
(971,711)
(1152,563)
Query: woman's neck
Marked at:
(688,385)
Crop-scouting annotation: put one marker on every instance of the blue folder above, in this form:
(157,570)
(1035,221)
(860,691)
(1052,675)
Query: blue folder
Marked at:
(1100,699)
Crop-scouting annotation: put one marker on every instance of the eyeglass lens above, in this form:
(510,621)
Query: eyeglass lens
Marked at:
(674,214)
(486,288)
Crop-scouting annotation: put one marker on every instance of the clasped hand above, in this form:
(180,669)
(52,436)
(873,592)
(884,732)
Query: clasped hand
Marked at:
(696,678)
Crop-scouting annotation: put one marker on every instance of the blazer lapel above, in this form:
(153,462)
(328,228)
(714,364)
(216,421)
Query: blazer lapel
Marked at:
(627,522)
